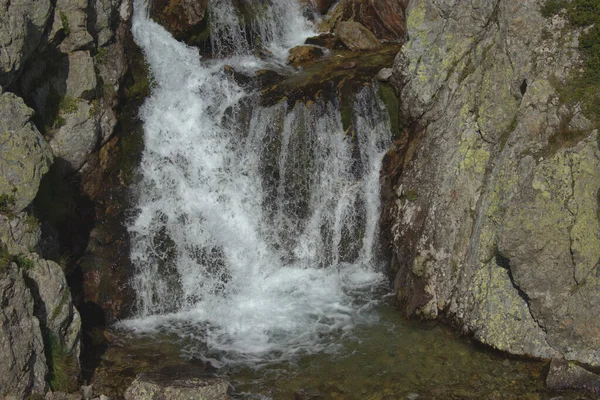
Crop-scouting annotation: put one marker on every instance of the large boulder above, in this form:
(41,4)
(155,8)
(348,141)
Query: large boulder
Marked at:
(355,36)
(24,155)
(384,18)
(22,24)
(491,196)
(180,17)
(23,367)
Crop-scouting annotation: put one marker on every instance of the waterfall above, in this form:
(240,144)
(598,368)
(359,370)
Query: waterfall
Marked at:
(255,226)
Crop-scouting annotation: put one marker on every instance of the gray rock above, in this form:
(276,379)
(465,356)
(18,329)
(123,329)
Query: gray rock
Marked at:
(70,21)
(77,138)
(105,14)
(564,375)
(20,233)
(22,24)
(23,368)
(385,75)
(54,306)
(81,82)
(24,154)
(177,383)
(355,36)
(494,215)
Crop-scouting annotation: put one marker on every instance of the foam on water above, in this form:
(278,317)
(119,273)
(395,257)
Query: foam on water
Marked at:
(255,227)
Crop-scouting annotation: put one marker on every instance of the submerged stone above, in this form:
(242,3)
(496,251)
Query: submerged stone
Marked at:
(565,375)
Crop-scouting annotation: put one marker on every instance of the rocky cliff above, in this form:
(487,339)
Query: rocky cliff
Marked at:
(492,193)
(62,69)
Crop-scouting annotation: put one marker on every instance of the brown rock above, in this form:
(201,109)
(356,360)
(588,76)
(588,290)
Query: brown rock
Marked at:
(564,375)
(356,36)
(327,40)
(384,18)
(180,17)
(301,54)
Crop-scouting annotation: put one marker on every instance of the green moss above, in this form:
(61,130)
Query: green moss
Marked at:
(64,299)
(65,23)
(68,105)
(7,201)
(23,261)
(32,223)
(411,195)
(584,85)
(5,257)
(102,55)
(143,81)
(62,366)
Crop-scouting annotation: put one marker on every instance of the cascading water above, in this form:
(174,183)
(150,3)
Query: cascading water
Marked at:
(256,226)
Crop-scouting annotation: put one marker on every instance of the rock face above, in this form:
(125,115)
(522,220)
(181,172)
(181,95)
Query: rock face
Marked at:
(22,24)
(491,196)
(384,18)
(53,304)
(355,36)
(24,155)
(177,384)
(23,368)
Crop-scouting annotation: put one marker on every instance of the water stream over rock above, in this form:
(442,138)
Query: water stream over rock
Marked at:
(256,226)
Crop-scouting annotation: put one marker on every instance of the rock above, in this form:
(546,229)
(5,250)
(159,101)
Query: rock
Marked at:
(177,383)
(105,12)
(320,6)
(384,18)
(308,394)
(77,138)
(23,368)
(327,40)
(87,392)
(81,79)
(356,37)
(20,233)
(69,27)
(490,205)
(54,305)
(385,75)
(564,375)
(180,17)
(302,54)
(24,155)
(62,396)
(22,24)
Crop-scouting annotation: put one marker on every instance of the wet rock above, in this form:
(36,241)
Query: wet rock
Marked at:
(355,36)
(327,40)
(22,24)
(23,368)
(24,154)
(177,383)
(180,17)
(308,394)
(62,396)
(564,375)
(301,54)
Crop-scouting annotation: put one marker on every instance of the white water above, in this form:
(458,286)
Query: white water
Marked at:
(254,239)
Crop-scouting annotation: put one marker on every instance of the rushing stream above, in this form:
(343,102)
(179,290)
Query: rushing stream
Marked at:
(255,236)
(256,227)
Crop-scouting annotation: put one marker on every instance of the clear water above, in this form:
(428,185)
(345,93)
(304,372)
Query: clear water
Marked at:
(256,227)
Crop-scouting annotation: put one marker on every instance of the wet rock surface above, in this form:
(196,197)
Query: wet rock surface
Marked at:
(356,36)
(564,375)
